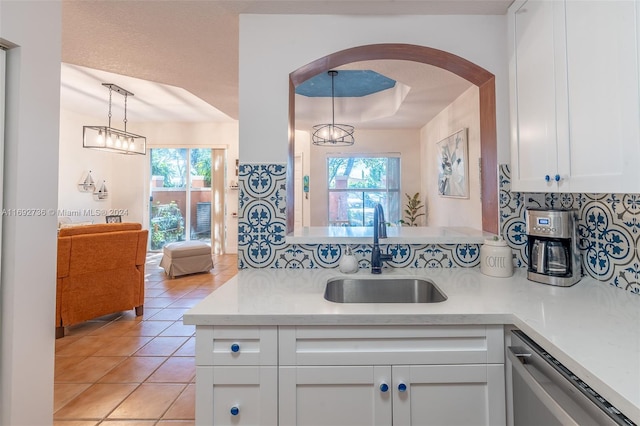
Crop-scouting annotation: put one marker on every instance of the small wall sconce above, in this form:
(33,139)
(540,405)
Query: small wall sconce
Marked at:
(101,193)
(86,183)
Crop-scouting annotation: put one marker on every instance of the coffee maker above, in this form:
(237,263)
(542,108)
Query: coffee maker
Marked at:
(553,247)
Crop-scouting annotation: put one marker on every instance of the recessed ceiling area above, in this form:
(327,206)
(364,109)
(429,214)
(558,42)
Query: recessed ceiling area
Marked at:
(345,84)
(420,92)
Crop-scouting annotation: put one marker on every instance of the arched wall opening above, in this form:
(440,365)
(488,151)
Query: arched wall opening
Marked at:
(426,55)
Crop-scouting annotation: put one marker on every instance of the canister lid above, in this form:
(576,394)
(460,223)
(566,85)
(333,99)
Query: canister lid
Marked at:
(495,241)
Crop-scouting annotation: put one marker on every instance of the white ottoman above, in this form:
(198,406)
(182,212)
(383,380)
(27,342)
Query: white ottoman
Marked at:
(186,257)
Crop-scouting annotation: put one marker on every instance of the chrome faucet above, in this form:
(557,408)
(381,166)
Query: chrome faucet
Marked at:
(379,231)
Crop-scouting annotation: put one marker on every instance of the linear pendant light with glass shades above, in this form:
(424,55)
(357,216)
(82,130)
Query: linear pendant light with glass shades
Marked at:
(107,138)
(333,134)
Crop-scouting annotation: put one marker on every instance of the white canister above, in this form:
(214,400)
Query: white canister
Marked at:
(348,263)
(496,258)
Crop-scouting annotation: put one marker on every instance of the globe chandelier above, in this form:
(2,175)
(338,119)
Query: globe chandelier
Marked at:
(333,134)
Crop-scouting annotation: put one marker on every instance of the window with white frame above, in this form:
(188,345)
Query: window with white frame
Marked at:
(356,183)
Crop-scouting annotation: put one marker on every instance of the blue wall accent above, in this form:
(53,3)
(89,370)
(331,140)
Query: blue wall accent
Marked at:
(608,230)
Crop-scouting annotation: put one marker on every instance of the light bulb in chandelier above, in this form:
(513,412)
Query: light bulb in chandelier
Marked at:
(100,138)
(109,139)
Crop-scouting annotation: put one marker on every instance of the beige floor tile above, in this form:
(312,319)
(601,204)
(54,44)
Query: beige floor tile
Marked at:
(148,401)
(161,346)
(75,423)
(85,346)
(158,302)
(128,423)
(175,370)
(64,363)
(65,392)
(184,408)
(123,346)
(176,423)
(179,329)
(185,302)
(188,349)
(134,369)
(113,329)
(148,328)
(89,370)
(172,314)
(95,402)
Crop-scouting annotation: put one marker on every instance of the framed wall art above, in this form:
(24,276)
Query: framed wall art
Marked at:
(453,162)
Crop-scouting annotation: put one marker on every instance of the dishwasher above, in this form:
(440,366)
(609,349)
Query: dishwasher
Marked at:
(545,392)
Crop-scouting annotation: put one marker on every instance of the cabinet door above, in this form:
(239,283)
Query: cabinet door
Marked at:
(335,396)
(536,73)
(236,396)
(449,395)
(604,111)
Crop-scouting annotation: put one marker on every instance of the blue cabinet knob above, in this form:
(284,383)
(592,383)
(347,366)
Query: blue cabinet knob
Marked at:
(235,410)
(547,178)
(402,387)
(384,387)
(557,178)
(235,347)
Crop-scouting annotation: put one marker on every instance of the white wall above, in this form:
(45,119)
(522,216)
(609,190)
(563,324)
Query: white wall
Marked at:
(121,174)
(406,142)
(269,52)
(443,211)
(30,182)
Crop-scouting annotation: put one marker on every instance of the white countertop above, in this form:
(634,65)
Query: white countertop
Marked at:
(592,328)
(395,235)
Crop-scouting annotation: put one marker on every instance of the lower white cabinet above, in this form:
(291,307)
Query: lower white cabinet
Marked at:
(436,395)
(352,375)
(237,395)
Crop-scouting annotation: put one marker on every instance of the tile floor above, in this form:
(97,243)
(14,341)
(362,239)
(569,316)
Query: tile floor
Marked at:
(123,370)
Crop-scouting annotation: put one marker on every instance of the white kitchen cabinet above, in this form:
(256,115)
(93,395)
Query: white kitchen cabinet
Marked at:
(350,375)
(575,110)
(237,396)
(536,54)
(416,375)
(436,395)
(236,375)
(337,396)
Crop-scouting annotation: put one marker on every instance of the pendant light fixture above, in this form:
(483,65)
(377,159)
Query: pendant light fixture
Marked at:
(107,138)
(333,134)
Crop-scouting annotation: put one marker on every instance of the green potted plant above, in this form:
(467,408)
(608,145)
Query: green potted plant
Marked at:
(412,210)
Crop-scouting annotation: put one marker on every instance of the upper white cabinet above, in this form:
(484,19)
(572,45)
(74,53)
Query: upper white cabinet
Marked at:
(575,111)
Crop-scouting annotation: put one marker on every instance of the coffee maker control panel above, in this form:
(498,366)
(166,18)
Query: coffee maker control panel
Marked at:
(549,223)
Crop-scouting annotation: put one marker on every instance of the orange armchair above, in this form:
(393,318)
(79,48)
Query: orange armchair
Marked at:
(100,271)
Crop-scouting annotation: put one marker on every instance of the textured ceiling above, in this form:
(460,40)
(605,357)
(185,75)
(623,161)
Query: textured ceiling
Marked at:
(193,45)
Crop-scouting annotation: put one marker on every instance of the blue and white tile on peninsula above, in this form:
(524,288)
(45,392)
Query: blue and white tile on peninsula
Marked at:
(262,230)
(608,231)
(262,213)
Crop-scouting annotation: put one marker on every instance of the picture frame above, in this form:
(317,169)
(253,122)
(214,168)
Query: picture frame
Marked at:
(453,165)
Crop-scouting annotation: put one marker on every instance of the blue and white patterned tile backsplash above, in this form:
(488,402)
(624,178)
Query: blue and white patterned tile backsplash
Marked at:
(608,230)
(262,231)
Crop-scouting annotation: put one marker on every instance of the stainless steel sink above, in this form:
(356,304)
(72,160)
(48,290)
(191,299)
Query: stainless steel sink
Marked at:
(385,290)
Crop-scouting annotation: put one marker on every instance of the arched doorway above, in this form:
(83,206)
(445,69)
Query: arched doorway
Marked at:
(426,55)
